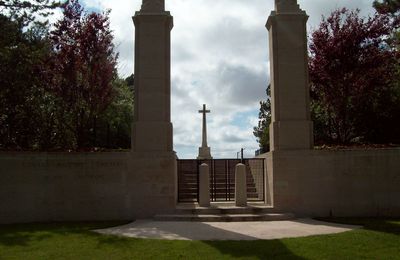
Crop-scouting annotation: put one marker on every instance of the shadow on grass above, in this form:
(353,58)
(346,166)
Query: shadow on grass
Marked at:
(260,249)
(77,240)
(384,225)
(24,234)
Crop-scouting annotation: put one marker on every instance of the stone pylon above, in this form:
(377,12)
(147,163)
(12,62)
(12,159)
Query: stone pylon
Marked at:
(153,161)
(291,127)
(152,127)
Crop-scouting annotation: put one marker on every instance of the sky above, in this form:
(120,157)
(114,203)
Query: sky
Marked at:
(219,57)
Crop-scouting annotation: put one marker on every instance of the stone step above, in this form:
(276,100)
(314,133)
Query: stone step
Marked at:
(216,200)
(191,188)
(224,208)
(225,217)
(223,184)
(250,196)
(221,178)
(216,173)
(218,190)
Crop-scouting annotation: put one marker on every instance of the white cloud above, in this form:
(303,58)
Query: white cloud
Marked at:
(220,58)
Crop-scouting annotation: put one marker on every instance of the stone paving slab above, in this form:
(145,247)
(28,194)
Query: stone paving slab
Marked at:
(226,230)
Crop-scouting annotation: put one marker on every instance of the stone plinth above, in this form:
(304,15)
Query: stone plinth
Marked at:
(204,153)
(152,184)
(204,186)
(291,127)
(240,185)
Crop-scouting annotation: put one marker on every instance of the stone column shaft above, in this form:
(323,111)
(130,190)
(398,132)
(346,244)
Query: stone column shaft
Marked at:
(152,178)
(204,139)
(291,127)
(152,127)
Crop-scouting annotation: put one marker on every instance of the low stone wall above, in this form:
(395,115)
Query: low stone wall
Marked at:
(38,187)
(336,183)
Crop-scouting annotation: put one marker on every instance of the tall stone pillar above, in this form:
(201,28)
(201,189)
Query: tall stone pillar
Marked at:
(152,182)
(291,127)
(152,127)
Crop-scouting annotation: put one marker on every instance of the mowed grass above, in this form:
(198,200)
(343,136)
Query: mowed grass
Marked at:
(380,239)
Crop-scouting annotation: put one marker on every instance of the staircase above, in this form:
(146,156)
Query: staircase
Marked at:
(222,182)
(224,212)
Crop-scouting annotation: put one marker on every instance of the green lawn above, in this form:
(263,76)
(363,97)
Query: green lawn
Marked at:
(380,239)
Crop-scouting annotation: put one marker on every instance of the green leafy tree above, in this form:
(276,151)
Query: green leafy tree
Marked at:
(391,8)
(387,7)
(261,132)
(114,128)
(23,57)
(24,12)
(130,81)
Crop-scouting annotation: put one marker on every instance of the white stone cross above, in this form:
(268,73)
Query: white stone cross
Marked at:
(204,112)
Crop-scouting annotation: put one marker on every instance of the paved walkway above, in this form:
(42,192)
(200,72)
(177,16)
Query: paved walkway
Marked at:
(226,230)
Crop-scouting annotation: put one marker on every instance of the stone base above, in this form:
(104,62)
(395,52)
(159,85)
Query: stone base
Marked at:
(204,153)
(343,183)
(291,135)
(152,183)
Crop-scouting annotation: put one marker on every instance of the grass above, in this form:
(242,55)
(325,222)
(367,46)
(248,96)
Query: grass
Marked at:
(380,239)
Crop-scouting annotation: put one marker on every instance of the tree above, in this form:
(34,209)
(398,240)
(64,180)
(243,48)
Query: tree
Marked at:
(84,66)
(114,128)
(351,68)
(391,8)
(23,101)
(261,132)
(130,80)
(387,7)
(60,90)
(25,11)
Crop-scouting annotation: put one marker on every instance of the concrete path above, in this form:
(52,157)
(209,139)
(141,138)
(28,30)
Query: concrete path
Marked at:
(226,230)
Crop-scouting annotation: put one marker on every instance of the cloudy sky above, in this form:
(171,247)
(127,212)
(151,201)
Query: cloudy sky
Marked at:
(219,58)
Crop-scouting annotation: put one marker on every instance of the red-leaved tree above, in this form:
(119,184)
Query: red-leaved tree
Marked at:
(84,67)
(351,67)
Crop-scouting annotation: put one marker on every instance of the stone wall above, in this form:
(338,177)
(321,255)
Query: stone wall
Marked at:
(40,187)
(337,183)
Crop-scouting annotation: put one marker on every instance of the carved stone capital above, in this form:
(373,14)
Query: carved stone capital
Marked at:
(153,6)
(286,6)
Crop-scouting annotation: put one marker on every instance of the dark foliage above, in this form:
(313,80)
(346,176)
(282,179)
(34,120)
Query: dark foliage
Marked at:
(60,90)
(84,66)
(24,11)
(261,132)
(352,69)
